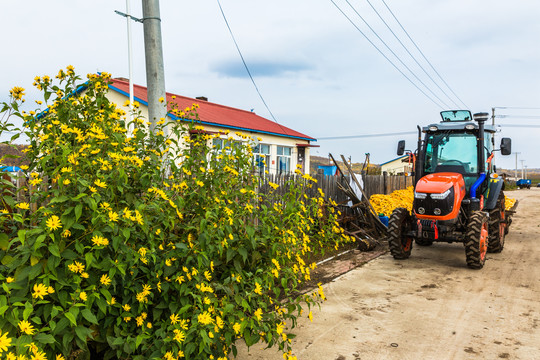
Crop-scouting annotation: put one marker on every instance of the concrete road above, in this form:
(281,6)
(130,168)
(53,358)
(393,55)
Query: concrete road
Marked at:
(432,306)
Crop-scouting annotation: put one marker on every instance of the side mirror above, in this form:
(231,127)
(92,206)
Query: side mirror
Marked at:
(506,146)
(401,147)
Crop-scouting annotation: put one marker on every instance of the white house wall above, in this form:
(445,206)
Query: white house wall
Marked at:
(272,140)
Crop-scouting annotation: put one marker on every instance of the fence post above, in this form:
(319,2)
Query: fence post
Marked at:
(385,182)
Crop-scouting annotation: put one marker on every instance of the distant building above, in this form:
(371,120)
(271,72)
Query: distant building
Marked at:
(281,147)
(400,165)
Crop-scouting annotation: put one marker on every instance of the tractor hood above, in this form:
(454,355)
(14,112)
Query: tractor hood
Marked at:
(439,182)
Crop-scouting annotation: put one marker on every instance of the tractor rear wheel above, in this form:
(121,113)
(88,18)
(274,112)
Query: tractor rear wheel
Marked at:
(400,224)
(497,226)
(476,240)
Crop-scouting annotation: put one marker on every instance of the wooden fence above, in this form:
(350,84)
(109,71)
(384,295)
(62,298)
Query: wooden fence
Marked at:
(373,184)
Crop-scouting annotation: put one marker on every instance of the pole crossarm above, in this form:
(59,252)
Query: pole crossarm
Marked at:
(133,17)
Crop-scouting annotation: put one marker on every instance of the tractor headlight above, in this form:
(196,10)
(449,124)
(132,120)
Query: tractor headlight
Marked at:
(441,196)
(419,195)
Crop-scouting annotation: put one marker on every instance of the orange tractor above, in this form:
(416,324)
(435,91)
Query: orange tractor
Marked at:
(458,197)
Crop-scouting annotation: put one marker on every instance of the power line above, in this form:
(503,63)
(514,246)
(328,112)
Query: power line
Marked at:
(520,126)
(397,57)
(367,135)
(384,55)
(424,56)
(516,108)
(244,62)
(411,55)
(518,116)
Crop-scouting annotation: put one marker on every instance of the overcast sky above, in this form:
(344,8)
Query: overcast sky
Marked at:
(315,70)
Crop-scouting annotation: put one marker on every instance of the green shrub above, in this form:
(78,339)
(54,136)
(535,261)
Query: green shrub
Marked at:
(148,245)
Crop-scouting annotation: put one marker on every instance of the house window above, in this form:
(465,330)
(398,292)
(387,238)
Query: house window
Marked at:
(284,159)
(224,145)
(261,158)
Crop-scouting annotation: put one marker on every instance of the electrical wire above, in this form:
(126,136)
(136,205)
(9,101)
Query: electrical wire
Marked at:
(367,135)
(396,56)
(518,116)
(244,62)
(424,56)
(411,55)
(384,55)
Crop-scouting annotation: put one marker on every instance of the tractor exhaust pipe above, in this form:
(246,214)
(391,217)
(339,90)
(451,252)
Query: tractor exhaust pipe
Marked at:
(419,165)
(481,118)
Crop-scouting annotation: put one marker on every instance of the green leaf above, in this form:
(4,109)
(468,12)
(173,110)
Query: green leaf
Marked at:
(21,235)
(87,314)
(53,249)
(78,211)
(44,338)
(243,251)
(4,241)
(71,318)
(59,199)
(83,332)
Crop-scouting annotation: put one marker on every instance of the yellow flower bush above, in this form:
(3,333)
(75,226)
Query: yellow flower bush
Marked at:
(154,249)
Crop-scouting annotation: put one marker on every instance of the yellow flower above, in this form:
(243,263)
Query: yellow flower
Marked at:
(100,240)
(204,318)
(126,307)
(39,291)
(310,316)
(279,328)
(23,206)
(84,275)
(179,335)
(5,342)
(100,183)
(161,99)
(54,223)
(66,233)
(174,318)
(258,314)
(105,280)
(17,92)
(83,296)
(59,357)
(26,327)
(67,182)
(10,280)
(113,216)
(258,289)
(92,189)
(236,328)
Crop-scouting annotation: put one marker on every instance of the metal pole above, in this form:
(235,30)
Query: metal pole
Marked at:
(522,169)
(130,56)
(155,73)
(516,164)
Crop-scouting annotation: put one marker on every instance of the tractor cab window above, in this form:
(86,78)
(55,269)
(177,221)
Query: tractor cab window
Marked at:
(448,152)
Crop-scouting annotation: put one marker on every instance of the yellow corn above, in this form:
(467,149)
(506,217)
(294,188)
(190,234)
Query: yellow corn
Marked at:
(385,204)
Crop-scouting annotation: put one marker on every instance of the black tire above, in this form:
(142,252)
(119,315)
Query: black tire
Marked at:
(497,226)
(476,240)
(399,224)
(423,242)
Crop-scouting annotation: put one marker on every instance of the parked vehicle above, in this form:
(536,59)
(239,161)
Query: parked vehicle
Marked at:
(457,196)
(524,183)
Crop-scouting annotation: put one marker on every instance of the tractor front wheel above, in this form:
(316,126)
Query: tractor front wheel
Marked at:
(476,240)
(399,225)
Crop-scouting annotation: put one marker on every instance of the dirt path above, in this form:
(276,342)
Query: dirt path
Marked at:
(432,306)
